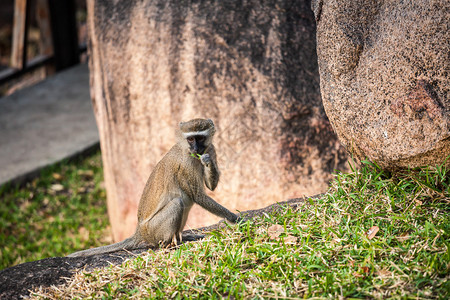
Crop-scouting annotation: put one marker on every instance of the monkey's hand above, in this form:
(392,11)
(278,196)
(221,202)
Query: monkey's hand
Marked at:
(205,159)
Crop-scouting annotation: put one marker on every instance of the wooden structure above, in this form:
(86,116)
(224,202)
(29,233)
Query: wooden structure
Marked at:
(59,47)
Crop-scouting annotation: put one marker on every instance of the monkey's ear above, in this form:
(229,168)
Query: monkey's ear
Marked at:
(211,122)
(181,124)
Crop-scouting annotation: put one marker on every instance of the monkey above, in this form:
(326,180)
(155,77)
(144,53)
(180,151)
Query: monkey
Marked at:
(175,184)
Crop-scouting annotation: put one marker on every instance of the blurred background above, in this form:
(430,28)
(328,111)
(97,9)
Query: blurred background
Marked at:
(38,38)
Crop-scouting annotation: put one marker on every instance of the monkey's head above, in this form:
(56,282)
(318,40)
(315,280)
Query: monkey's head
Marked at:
(198,134)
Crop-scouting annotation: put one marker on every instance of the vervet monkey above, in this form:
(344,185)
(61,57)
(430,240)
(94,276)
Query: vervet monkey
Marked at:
(175,184)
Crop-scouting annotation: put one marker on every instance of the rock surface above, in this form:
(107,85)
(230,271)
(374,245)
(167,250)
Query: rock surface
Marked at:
(250,66)
(16,282)
(384,69)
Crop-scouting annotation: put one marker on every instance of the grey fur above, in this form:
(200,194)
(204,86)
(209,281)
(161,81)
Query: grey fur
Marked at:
(176,183)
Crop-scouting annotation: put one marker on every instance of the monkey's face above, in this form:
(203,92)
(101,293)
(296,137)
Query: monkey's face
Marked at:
(197,144)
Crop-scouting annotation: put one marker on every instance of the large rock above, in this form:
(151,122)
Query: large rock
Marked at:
(250,66)
(384,76)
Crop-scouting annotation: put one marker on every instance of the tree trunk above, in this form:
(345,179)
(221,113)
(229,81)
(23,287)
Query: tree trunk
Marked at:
(248,65)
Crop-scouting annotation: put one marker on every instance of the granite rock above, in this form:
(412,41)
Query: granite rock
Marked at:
(250,66)
(384,77)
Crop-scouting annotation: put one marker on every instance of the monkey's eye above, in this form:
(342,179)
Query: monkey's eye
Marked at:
(190,139)
(200,138)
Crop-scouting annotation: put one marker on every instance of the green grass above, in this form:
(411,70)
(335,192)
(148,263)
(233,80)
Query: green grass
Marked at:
(60,211)
(320,249)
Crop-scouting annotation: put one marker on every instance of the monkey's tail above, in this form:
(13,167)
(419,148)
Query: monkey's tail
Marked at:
(127,244)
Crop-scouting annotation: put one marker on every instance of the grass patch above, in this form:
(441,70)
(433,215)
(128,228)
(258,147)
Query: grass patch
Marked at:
(43,218)
(320,249)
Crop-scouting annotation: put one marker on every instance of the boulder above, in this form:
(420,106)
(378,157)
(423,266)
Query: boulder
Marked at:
(251,66)
(384,78)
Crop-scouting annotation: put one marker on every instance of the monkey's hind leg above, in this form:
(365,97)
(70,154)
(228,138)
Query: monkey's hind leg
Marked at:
(166,225)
